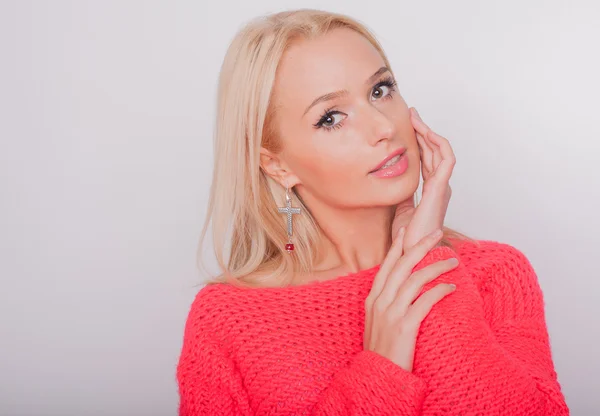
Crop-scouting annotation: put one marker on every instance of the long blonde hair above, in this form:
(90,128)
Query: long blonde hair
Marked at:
(243,199)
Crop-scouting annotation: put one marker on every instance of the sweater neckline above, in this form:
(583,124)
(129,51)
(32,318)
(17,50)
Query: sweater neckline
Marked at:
(337,279)
(316,284)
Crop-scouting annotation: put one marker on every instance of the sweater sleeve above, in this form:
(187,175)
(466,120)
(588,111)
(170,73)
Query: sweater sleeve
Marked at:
(210,384)
(507,360)
(372,385)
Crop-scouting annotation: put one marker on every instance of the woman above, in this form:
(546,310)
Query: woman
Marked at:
(338,296)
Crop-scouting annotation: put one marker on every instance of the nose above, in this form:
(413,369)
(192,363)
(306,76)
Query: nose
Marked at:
(382,126)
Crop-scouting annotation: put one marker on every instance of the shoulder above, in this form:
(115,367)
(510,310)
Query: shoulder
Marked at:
(220,310)
(504,275)
(487,256)
(205,357)
(212,309)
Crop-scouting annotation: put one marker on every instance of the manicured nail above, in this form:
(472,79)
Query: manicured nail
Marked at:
(453,261)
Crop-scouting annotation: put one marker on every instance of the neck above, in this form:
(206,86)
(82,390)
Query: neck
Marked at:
(353,239)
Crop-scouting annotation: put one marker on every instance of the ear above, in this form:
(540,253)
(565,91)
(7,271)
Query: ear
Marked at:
(276,168)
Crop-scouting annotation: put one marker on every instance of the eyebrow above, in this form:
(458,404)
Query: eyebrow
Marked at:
(337,94)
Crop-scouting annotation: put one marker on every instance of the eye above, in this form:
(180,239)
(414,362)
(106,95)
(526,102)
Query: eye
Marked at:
(330,120)
(380,91)
(383,89)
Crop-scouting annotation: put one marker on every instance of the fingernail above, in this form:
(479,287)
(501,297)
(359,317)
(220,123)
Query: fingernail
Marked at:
(437,233)
(417,114)
(453,261)
(452,286)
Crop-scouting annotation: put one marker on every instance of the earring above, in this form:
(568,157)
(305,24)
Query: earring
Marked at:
(289,211)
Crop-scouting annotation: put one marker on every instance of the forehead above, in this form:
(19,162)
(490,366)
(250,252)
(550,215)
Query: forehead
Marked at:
(339,59)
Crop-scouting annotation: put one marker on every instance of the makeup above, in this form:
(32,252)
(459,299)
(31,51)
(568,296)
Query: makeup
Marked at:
(393,165)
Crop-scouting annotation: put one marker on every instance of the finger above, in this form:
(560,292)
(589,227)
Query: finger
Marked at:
(404,266)
(437,153)
(432,140)
(430,137)
(419,124)
(395,252)
(440,141)
(444,171)
(446,153)
(426,154)
(422,130)
(422,306)
(412,287)
(392,257)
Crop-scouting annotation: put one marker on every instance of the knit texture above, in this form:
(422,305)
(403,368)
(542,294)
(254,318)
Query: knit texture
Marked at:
(298,350)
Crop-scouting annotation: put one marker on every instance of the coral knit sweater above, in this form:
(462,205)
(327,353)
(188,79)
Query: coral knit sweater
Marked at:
(298,350)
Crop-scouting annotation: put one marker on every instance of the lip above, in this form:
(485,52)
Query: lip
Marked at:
(390,156)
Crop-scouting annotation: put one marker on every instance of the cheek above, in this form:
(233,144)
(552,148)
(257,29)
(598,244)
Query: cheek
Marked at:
(328,163)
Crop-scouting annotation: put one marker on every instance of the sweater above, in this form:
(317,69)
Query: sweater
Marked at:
(298,350)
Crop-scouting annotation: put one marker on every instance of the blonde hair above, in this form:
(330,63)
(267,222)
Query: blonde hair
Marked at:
(243,198)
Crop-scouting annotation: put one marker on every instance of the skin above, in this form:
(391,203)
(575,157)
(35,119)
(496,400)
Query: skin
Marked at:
(329,166)
(366,220)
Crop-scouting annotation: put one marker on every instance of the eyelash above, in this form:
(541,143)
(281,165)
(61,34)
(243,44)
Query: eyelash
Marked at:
(387,82)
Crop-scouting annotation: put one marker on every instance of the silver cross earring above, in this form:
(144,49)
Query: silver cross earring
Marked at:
(289,211)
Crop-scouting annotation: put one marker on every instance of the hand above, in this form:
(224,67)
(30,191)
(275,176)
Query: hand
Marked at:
(437,164)
(392,320)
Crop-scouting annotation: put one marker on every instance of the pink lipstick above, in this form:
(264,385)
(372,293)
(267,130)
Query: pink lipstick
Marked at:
(393,165)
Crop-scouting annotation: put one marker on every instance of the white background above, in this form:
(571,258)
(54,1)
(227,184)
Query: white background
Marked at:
(106,113)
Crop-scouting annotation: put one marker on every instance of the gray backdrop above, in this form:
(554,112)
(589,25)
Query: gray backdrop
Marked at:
(106,115)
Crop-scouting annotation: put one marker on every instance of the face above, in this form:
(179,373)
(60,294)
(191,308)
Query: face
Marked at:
(339,116)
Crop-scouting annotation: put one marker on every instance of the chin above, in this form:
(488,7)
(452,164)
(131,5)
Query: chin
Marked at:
(403,187)
(396,190)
